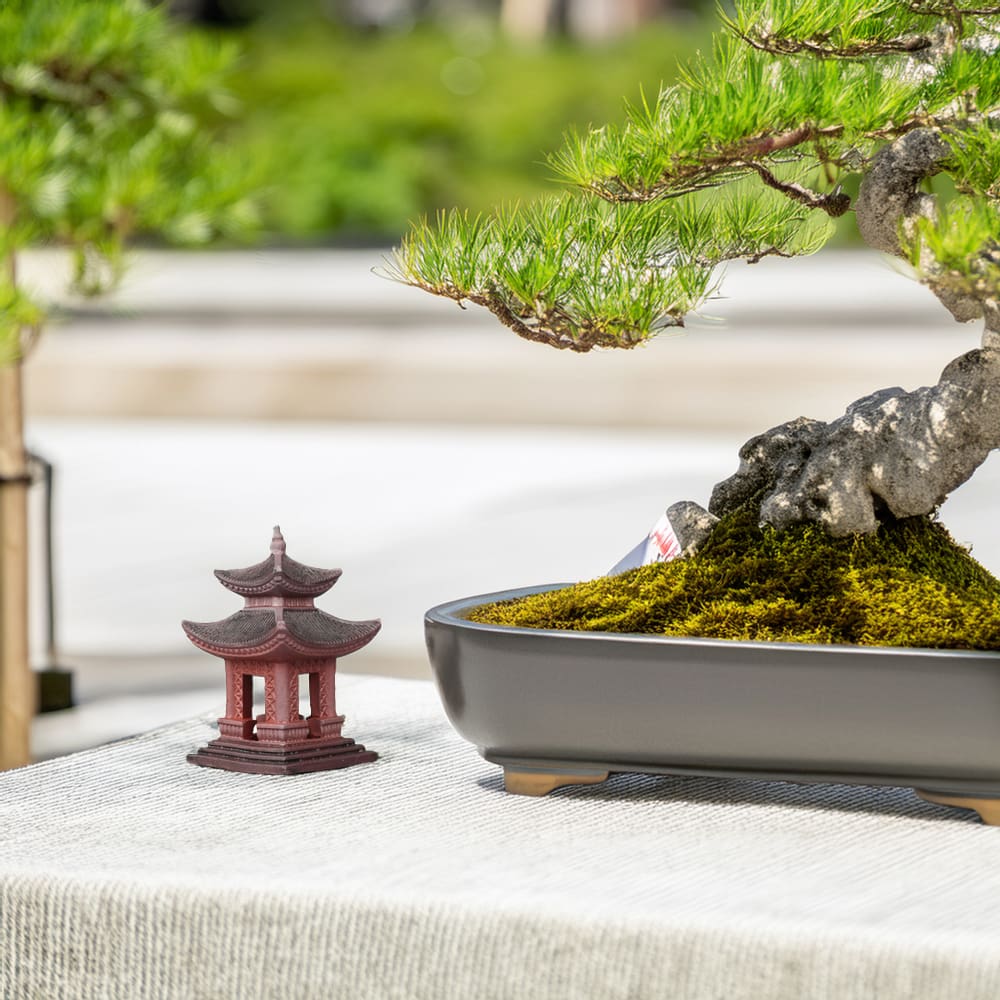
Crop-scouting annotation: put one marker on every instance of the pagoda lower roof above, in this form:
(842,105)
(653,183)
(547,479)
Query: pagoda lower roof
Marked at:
(258,632)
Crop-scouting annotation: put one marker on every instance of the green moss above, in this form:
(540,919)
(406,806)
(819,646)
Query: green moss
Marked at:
(908,584)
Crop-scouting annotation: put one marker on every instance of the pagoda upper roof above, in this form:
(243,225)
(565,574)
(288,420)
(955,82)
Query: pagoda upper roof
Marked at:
(278,576)
(259,631)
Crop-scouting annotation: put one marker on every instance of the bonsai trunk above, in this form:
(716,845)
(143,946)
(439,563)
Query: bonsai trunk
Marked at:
(17,687)
(894,453)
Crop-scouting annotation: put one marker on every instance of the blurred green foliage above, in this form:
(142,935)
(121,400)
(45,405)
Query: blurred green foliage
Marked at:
(354,134)
(106,133)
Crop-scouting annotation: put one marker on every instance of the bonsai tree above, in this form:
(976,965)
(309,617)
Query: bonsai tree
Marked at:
(104,115)
(753,153)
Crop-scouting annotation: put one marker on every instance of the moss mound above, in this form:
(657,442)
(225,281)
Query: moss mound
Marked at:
(909,584)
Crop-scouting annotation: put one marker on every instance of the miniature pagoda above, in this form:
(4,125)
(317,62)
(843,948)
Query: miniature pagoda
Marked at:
(280,635)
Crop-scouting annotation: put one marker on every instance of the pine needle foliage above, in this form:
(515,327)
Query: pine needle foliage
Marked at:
(794,97)
(975,167)
(737,106)
(850,29)
(106,116)
(964,243)
(576,273)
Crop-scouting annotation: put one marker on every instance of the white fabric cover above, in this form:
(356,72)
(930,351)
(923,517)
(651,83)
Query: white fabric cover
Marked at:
(126,872)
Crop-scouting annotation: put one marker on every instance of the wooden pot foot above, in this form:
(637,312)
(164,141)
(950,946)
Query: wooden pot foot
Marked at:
(988,809)
(519,782)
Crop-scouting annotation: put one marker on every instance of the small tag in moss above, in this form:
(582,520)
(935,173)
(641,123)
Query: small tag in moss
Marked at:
(660,545)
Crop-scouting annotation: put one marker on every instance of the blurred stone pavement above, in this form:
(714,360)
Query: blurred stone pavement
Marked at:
(421,447)
(316,335)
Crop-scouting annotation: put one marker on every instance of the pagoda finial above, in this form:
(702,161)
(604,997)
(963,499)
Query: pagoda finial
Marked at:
(277,547)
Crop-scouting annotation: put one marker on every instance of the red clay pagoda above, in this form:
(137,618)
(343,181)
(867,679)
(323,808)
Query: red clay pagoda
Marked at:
(280,635)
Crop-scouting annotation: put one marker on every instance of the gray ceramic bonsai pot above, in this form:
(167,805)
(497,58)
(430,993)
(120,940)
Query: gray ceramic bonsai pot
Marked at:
(562,707)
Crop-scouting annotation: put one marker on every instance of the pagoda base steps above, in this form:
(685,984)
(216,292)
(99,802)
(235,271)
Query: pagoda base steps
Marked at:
(256,757)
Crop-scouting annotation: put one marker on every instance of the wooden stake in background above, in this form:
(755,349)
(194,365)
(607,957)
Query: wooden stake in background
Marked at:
(17,682)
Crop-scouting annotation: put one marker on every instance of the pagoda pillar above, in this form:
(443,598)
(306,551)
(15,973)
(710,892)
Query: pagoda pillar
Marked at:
(281,721)
(323,718)
(238,720)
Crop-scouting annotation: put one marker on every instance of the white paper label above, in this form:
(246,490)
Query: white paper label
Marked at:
(661,543)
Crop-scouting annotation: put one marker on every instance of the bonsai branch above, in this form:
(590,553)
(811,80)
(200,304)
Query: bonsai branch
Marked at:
(715,167)
(951,10)
(819,46)
(553,327)
(834,204)
(711,169)
(616,189)
(763,144)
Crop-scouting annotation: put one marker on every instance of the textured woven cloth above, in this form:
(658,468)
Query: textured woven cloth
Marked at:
(126,872)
